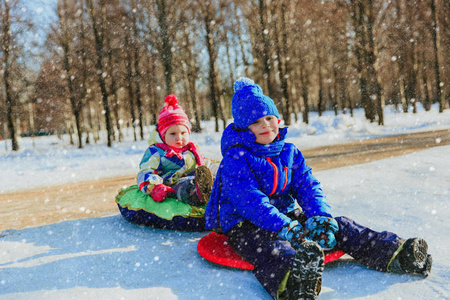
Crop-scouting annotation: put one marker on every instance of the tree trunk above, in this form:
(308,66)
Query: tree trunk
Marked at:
(212,69)
(129,65)
(373,74)
(111,62)
(6,47)
(84,94)
(76,105)
(360,44)
(193,91)
(99,35)
(152,90)
(401,58)
(190,107)
(166,51)
(283,69)
(137,85)
(241,42)
(426,87)
(221,101)
(31,121)
(320,104)
(190,73)
(230,65)
(305,104)
(266,47)
(294,95)
(414,96)
(137,77)
(336,97)
(303,73)
(436,48)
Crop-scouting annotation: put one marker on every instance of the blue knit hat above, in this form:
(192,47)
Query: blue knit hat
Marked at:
(249,103)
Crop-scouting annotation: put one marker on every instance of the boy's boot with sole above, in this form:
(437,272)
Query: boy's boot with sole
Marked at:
(413,258)
(305,278)
(203,184)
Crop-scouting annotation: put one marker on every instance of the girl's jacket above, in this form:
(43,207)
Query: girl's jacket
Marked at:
(260,183)
(161,165)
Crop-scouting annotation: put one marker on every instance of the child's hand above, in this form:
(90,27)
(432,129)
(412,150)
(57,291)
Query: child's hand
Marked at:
(293,233)
(321,230)
(160,191)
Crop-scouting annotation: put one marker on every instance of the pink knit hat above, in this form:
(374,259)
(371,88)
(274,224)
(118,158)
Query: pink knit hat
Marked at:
(172,114)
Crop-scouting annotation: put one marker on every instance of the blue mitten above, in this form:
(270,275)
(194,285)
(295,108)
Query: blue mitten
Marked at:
(293,233)
(321,230)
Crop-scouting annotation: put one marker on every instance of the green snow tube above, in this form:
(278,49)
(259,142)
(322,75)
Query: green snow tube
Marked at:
(170,214)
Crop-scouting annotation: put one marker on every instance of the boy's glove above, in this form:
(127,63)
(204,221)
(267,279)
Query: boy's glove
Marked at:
(160,191)
(321,230)
(293,233)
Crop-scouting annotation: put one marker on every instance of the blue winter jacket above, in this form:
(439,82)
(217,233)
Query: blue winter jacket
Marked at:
(260,183)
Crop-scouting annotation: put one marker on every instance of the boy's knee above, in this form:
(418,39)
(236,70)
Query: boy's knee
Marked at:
(344,221)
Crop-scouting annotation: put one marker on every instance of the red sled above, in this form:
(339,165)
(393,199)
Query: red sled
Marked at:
(214,247)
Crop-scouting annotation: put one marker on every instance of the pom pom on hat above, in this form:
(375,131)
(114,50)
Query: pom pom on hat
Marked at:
(172,114)
(249,103)
(171,100)
(241,83)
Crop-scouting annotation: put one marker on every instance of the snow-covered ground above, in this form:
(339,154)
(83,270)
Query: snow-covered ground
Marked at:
(114,259)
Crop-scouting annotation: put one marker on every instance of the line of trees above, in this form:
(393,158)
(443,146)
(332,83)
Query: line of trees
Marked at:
(106,65)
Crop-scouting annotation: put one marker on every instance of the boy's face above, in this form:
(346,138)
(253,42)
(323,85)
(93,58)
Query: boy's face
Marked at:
(265,129)
(177,136)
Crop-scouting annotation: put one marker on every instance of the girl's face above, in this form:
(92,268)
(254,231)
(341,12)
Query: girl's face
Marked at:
(265,129)
(177,136)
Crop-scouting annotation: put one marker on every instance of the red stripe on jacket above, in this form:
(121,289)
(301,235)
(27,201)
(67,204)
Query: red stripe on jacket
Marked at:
(275,179)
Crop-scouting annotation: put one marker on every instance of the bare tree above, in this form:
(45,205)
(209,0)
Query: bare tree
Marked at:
(264,31)
(98,20)
(137,69)
(130,83)
(207,11)
(66,39)
(436,48)
(165,46)
(363,21)
(241,41)
(188,36)
(281,40)
(374,87)
(6,48)
(112,64)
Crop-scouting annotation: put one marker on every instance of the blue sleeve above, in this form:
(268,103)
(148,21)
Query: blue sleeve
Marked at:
(307,189)
(240,186)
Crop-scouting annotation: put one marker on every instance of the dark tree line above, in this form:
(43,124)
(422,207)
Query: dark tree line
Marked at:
(106,66)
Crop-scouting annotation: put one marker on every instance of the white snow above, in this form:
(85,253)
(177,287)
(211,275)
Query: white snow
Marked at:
(114,259)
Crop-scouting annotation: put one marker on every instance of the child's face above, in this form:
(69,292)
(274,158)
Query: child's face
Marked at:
(265,129)
(177,136)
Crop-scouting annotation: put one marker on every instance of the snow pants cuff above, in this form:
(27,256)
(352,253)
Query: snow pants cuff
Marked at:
(368,247)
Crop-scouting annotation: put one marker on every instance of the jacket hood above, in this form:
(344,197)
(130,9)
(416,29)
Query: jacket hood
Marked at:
(234,137)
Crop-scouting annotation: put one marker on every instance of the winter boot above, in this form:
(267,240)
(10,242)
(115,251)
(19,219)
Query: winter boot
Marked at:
(203,183)
(305,278)
(412,258)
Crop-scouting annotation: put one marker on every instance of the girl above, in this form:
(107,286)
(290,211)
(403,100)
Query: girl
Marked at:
(175,167)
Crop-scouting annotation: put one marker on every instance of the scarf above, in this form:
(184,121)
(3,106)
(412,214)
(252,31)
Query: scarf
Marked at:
(178,152)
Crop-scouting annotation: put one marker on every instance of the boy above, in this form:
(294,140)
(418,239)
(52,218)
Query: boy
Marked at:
(260,179)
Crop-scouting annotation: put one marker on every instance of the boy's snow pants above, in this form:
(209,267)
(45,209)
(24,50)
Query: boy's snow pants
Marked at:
(273,257)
